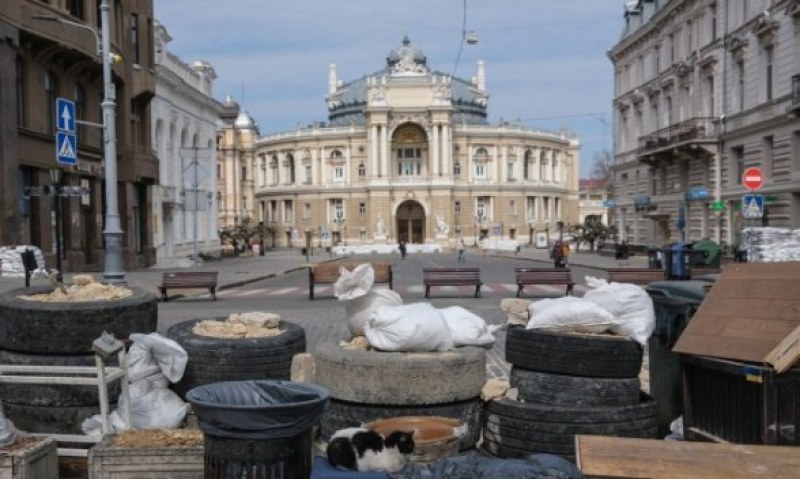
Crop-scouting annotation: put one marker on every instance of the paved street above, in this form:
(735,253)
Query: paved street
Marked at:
(278,282)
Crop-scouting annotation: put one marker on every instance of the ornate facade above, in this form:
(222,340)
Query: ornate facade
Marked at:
(408,155)
(703,90)
(43,60)
(185,122)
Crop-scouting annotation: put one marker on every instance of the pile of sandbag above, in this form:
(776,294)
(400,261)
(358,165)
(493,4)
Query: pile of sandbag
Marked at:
(390,325)
(11,261)
(153,363)
(623,309)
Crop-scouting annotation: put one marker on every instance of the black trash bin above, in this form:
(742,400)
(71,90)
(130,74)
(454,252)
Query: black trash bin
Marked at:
(674,302)
(654,258)
(258,429)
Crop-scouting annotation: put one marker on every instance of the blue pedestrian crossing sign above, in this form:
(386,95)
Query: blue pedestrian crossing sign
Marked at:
(66,149)
(753,206)
(65,115)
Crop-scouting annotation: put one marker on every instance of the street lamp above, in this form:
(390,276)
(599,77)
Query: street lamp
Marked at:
(55,178)
(112,272)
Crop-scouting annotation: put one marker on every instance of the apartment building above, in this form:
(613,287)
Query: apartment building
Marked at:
(47,51)
(703,90)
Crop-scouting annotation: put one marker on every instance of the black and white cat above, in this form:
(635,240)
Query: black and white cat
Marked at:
(359,449)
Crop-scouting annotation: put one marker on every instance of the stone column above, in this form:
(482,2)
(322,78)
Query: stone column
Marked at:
(470,166)
(446,148)
(496,162)
(347,165)
(373,151)
(384,151)
(322,168)
(435,150)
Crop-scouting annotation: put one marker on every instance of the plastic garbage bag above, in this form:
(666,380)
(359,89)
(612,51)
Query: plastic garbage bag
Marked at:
(354,284)
(467,328)
(630,305)
(258,409)
(151,353)
(94,426)
(540,466)
(147,384)
(417,327)
(359,310)
(569,314)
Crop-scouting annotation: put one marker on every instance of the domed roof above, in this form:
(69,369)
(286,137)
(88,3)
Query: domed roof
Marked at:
(244,121)
(406,52)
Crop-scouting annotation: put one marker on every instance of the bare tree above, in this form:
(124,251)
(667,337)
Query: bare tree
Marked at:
(603,169)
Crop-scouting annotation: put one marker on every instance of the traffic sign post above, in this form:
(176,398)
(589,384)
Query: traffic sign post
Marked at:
(752,179)
(66,140)
(752,206)
(66,149)
(65,115)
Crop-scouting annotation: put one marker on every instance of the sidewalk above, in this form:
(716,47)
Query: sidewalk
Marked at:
(237,271)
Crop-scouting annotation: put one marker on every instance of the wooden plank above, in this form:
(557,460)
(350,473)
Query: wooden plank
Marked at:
(786,353)
(616,457)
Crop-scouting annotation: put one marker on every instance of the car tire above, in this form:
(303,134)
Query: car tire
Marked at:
(398,379)
(599,356)
(213,359)
(512,427)
(38,327)
(47,419)
(574,391)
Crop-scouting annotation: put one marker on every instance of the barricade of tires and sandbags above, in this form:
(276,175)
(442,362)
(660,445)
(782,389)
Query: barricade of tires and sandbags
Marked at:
(404,360)
(51,326)
(568,377)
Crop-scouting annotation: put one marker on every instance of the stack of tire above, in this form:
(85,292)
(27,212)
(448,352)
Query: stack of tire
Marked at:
(34,333)
(567,384)
(214,359)
(370,385)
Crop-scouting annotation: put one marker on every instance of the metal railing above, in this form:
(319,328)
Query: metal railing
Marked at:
(695,129)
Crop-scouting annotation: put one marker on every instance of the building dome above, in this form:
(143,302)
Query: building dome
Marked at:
(406,53)
(244,121)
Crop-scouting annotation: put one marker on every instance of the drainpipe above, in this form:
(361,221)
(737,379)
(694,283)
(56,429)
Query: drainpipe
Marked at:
(722,128)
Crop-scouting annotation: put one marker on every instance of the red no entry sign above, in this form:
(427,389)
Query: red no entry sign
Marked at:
(752,178)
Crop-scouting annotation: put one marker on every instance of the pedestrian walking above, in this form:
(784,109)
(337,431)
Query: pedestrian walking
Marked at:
(462,249)
(557,254)
(565,251)
(402,248)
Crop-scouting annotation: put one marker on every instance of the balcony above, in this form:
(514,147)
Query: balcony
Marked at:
(794,107)
(690,134)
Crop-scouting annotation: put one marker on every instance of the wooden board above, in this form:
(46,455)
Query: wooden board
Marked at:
(786,353)
(617,457)
(749,311)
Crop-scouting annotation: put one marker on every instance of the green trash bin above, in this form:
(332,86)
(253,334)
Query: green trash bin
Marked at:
(674,302)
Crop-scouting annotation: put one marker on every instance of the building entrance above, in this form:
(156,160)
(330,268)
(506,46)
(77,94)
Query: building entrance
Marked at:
(410,222)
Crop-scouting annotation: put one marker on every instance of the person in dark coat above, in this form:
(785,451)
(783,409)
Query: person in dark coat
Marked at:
(402,248)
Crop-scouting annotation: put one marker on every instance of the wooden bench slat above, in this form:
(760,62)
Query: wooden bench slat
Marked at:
(328,273)
(451,277)
(537,276)
(640,276)
(189,280)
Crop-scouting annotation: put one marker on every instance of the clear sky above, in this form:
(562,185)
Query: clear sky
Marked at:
(546,62)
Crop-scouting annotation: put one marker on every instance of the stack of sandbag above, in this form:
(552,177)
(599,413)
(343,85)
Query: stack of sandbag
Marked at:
(153,363)
(355,289)
(11,261)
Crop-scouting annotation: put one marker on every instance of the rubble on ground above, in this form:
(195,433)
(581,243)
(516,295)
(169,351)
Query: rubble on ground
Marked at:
(254,324)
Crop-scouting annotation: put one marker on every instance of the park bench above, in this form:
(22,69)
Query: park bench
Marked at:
(189,280)
(640,276)
(452,277)
(328,273)
(537,276)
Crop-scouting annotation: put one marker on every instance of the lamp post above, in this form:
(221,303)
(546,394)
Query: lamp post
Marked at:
(55,178)
(112,272)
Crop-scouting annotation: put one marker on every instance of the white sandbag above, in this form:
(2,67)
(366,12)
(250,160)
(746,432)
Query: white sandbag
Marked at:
(354,284)
(93,426)
(629,304)
(359,310)
(146,384)
(152,353)
(158,409)
(410,327)
(569,314)
(467,328)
